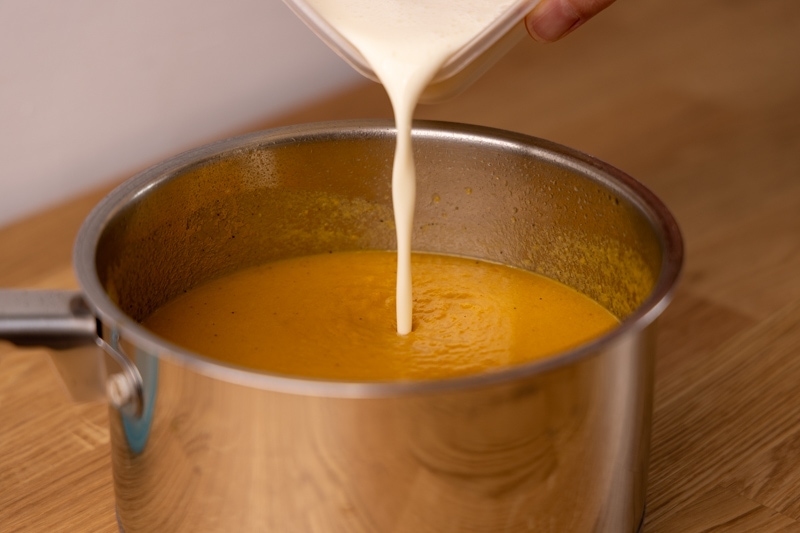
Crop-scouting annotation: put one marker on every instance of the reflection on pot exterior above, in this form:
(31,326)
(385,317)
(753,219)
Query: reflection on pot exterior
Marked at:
(561,451)
(136,426)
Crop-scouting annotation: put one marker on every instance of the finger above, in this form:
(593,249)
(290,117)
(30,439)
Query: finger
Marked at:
(553,19)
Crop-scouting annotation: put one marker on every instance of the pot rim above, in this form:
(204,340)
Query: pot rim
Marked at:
(654,210)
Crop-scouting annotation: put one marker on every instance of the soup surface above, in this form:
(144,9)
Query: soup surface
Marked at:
(332,316)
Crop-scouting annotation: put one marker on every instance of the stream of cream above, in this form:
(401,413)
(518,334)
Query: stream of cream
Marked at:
(406,42)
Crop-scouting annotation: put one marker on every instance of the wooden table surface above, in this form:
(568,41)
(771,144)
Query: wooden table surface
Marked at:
(698,100)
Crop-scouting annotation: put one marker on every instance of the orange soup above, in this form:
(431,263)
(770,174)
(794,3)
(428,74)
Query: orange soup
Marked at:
(332,316)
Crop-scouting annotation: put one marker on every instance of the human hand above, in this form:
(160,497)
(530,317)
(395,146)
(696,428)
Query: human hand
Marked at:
(553,19)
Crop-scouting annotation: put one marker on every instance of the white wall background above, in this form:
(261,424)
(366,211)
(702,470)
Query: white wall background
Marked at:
(93,89)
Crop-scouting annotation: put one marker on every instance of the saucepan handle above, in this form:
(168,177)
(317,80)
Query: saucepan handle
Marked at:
(55,319)
(62,322)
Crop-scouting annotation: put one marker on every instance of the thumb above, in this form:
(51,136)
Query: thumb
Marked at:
(553,19)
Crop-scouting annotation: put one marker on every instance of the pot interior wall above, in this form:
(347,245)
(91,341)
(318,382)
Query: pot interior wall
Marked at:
(511,203)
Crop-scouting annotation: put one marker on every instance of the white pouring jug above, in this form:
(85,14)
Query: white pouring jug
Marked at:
(458,72)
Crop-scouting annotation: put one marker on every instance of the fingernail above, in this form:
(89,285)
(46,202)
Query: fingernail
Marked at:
(551,20)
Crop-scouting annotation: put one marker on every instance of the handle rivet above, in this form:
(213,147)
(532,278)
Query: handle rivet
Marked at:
(120,390)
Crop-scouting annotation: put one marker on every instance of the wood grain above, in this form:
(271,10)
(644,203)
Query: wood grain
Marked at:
(698,100)
(728,427)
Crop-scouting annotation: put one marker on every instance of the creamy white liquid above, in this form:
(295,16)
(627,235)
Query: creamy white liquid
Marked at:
(406,42)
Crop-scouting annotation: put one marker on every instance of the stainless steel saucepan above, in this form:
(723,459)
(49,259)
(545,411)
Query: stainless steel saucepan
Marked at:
(550,446)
